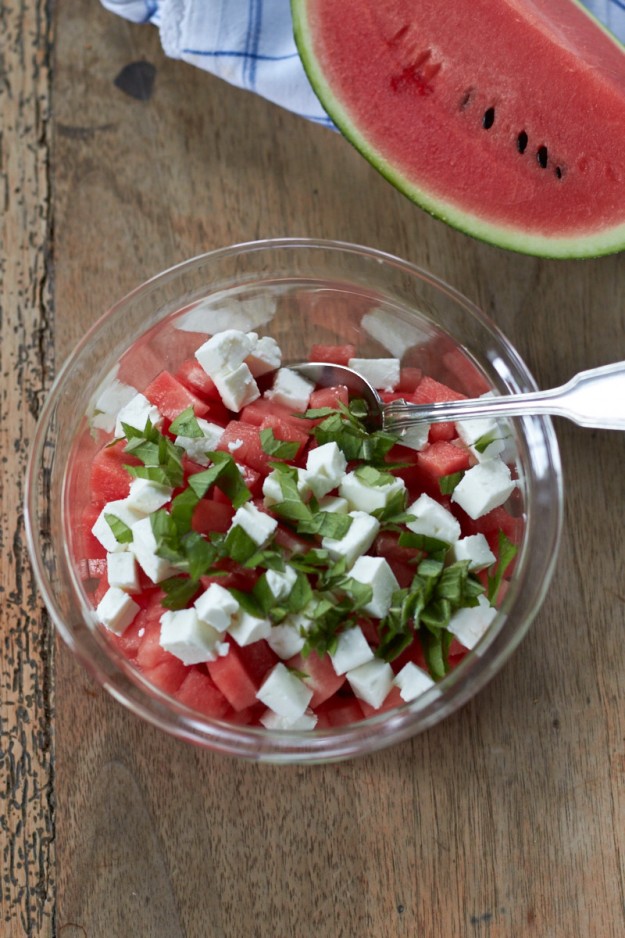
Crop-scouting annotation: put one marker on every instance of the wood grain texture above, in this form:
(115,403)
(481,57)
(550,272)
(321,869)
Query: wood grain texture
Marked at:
(26,358)
(506,820)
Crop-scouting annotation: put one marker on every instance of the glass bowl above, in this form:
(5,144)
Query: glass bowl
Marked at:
(300,292)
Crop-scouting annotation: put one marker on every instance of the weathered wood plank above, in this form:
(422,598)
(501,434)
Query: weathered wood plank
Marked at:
(26,361)
(506,820)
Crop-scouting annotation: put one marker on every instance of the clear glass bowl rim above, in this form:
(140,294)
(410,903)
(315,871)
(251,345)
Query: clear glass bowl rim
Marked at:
(318,746)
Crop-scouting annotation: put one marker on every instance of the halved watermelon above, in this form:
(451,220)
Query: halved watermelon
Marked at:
(504,118)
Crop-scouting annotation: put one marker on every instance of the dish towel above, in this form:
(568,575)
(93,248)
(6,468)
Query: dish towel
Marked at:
(249,43)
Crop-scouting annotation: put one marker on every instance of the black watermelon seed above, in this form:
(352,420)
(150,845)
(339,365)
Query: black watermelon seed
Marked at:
(541,156)
(489,118)
(521,142)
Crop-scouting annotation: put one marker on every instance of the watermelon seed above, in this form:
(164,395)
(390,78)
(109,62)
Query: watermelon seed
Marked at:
(558,172)
(521,142)
(541,156)
(466,98)
(489,118)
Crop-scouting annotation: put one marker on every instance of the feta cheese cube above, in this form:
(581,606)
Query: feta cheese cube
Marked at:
(216,606)
(482,430)
(102,529)
(475,549)
(285,640)
(146,496)
(196,448)
(361,535)
(226,351)
(470,624)
(416,436)
(116,610)
(364,497)
(351,651)
(220,311)
(184,635)
(334,503)
(266,356)
(381,373)
(393,333)
(484,487)
(136,413)
(109,402)
(412,681)
(281,582)
(257,524)
(376,573)
(284,693)
(236,388)
(272,490)
(326,466)
(272,721)
(291,390)
(121,571)
(371,681)
(246,628)
(433,520)
(144,548)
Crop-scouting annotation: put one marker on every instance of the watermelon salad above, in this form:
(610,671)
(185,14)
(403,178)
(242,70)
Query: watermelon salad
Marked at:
(261,555)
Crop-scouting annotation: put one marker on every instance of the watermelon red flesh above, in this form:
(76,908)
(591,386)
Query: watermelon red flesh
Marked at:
(502,117)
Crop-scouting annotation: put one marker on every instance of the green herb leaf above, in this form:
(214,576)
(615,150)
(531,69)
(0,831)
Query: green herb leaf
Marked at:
(186,425)
(179,591)
(507,553)
(224,473)
(121,531)
(239,545)
(282,449)
(448,483)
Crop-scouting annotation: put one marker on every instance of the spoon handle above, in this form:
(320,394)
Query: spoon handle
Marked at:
(593,398)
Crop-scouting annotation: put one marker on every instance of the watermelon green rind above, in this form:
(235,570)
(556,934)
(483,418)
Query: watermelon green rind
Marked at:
(578,245)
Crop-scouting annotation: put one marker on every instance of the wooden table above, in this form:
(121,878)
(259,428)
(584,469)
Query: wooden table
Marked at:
(508,819)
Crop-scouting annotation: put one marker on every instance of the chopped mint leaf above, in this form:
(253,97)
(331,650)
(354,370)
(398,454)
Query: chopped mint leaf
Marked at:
(186,424)
(224,473)
(448,483)
(507,553)
(430,545)
(179,591)
(249,603)
(371,476)
(121,531)
(182,508)
(436,649)
(152,473)
(239,545)
(482,444)
(155,451)
(325,523)
(282,449)
(300,595)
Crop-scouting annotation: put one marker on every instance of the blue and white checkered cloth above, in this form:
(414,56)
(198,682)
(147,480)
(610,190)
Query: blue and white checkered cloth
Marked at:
(249,43)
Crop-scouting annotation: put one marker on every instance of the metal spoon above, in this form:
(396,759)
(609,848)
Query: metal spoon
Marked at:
(593,398)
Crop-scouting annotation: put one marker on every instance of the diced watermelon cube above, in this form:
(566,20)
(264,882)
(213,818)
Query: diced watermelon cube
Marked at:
(409,379)
(338,711)
(334,354)
(285,431)
(212,516)
(192,375)
(109,481)
(167,675)
(442,458)
(262,408)
(258,659)
(242,441)
(198,692)
(430,391)
(171,397)
(329,397)
(231,676)
(321,677)
(463,373)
